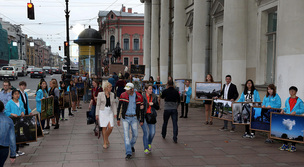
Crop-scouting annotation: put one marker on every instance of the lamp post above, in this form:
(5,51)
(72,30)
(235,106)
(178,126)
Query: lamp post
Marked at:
(67,12)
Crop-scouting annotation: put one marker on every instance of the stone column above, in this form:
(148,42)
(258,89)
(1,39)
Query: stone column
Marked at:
(235,42)
(147,39)
(180,41)
(155,38)
(199,41)
(290,50)
(164,40)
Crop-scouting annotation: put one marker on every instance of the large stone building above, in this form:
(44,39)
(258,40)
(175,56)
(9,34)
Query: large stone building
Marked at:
(124,27)
(260,40)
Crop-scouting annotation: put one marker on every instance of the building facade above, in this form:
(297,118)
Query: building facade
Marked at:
(124,27)
(260,40)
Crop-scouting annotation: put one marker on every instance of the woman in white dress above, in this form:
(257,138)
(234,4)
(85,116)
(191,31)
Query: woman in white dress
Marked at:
(106,111)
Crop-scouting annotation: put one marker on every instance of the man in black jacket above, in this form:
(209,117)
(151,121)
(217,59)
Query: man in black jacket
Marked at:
(229,92)
(172,100)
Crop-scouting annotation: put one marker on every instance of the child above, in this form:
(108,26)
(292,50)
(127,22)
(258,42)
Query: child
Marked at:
(293,106)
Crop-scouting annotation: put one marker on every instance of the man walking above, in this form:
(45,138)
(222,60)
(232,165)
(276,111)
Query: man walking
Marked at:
(229,92)
(131,109)
(172,100)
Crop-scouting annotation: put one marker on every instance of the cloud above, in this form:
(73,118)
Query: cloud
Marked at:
(288,123)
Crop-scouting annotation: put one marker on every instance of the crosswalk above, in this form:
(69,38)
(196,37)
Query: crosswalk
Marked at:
(30,93)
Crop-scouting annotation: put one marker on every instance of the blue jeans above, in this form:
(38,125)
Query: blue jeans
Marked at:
(93,113)
(149,133)
(130,122)
(173,114)
(86,96)
(226,125)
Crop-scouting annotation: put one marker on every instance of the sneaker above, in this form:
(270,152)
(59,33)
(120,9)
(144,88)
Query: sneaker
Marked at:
(71,115)
(223,129)
(232,130)
(128,157)
(252,135)
(20,153)
(268,141)
(45,132)
(284,147)
(61,119)
(292,149)
(47,127)
(246,135)
(133,149)
(150,147)
(146,151)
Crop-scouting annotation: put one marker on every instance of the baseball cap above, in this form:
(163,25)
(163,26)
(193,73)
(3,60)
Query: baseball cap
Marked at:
(129,86)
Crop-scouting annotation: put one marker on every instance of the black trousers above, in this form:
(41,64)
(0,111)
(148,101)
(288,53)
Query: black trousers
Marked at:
(167,114)
(248,130)
(3,155)
(292,143)
(182,105)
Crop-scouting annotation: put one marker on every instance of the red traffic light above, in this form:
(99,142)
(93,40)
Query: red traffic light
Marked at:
(30,5)
(66,43)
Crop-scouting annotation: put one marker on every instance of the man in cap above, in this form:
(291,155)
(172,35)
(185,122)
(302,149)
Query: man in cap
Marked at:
(130,108)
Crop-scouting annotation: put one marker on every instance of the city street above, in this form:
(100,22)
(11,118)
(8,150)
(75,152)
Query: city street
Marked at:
(32,85)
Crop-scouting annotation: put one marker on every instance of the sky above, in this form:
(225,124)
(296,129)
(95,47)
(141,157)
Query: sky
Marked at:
(49,23)
(208,86)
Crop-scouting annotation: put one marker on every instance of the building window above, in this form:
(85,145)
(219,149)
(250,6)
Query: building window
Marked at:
(126,61)
(112,43)
(135,60)
(136,44)
(271,47)
(126,44)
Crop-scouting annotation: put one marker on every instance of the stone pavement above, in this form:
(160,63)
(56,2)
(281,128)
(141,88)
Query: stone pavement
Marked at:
(74,144)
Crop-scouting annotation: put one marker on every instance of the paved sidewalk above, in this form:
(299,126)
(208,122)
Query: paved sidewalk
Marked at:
(74,144)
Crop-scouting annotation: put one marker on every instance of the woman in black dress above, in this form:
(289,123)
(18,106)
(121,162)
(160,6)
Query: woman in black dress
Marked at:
(209,78)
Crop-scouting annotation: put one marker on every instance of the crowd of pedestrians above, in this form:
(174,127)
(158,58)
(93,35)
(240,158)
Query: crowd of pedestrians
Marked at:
(118,99)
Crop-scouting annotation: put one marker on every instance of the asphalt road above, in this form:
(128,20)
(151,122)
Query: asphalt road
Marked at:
(32,86)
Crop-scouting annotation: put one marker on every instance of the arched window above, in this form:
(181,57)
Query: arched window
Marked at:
(112,43)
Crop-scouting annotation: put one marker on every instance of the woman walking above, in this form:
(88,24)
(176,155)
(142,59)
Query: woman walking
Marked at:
(150,107)
(106,111)
(209,78)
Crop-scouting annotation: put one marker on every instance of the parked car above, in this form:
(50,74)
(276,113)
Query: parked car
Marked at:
(29,69)
(8,72)
(47,70)
(37,72)
(20,65)
(58,71)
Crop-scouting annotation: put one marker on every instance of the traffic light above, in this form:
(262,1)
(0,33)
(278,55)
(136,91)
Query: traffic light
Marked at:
(30,11)
(66,48)
(59,48)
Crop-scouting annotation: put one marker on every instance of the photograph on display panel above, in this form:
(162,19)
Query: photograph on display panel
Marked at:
(241,112)
(25,129)
(162,87)
(61,100)
(67,100)
(287,127)
(207,90)
(137,86)
(221,109)
(260,118)
(137,69)
(43,109)
(50,107)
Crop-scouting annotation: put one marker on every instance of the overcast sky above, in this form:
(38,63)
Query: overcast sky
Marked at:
(49,23)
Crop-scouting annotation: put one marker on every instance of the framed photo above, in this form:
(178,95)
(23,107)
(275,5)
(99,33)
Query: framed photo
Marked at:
(180,87)
(47,108)
(61,100)
(222,109)
(67,100)
(260,118)
(287,127)
(39,128)
(241,112)
(80,88)
(137,86)
(137,69)
(207,90)
(25,129)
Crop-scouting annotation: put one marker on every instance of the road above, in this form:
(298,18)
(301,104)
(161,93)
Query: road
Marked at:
(32,86)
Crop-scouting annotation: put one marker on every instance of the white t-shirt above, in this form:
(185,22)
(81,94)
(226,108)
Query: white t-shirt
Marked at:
(18,104)
(186,89)
(226,90)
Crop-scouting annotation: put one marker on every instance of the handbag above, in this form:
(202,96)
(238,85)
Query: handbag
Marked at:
(151,117)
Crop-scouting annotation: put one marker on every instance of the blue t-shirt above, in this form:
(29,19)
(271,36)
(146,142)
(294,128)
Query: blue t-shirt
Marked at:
(132,105)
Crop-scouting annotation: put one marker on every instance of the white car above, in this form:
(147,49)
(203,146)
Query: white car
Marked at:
(29,69)
(8,72)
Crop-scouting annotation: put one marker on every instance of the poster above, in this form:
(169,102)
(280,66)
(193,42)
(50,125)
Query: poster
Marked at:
(25,129)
